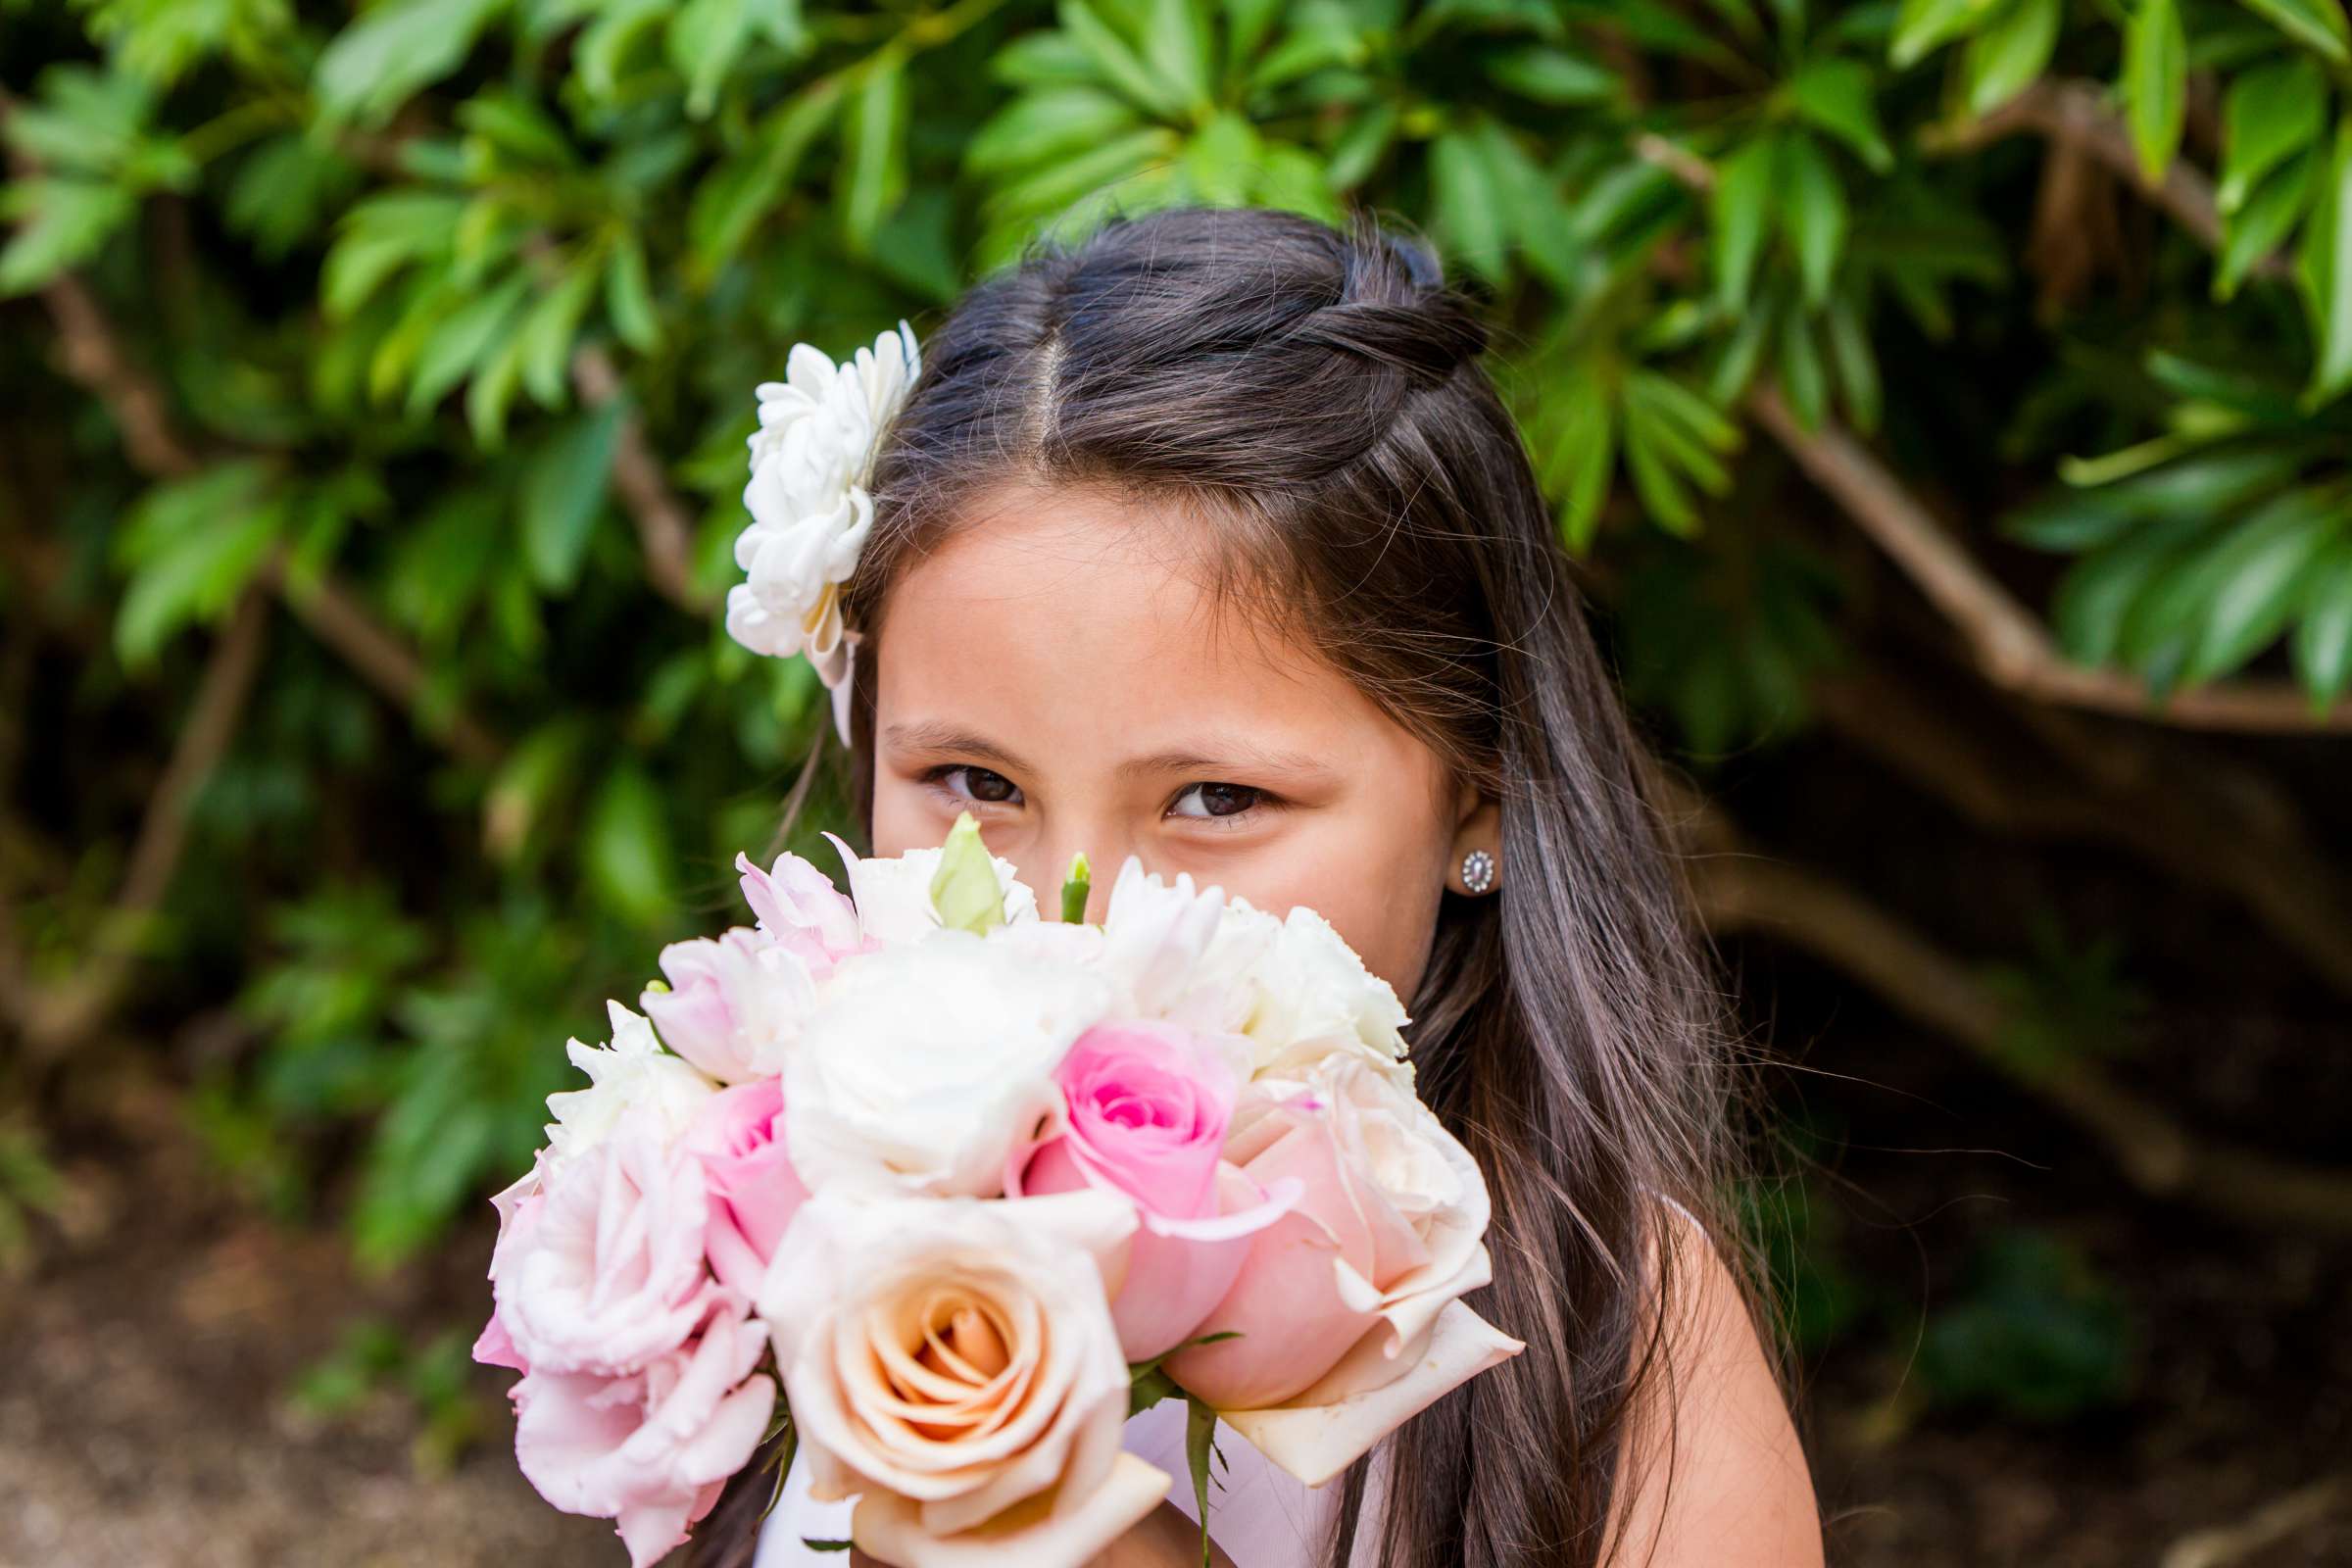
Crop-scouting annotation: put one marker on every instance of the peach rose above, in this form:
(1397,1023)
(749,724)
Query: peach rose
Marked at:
(961,1355)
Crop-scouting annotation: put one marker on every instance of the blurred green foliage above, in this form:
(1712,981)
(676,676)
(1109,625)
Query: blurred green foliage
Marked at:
(455,308)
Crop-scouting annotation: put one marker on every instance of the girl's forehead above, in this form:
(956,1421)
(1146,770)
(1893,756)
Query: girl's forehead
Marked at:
(1090,617)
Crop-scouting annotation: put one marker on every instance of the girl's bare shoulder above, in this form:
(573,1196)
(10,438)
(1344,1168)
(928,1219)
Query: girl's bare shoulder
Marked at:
(1714,1472)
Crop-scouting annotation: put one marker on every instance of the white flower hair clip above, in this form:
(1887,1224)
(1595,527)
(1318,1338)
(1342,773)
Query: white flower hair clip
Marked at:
(812,458)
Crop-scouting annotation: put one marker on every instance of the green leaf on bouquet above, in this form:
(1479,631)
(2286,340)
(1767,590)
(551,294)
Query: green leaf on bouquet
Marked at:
(1074,889)
(827,1546)
(965,889)
(1200,1443)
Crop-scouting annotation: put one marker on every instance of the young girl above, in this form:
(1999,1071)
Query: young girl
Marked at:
(1207,541)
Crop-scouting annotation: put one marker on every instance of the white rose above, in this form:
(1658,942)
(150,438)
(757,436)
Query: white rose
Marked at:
(951,1360)
(924,1065)
(633,1072)
(894,896)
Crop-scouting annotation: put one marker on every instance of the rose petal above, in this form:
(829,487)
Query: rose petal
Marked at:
(1315,1440)
(1046,1531)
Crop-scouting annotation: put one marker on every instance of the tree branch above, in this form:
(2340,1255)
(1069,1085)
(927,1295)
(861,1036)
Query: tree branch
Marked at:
(55,1017)
(2010,643)
(664,531)
(339,621)
(2204,832)
(2076,115)
(1740,892)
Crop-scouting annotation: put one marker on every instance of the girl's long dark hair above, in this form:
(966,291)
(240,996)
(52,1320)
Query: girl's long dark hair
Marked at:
(1316,394)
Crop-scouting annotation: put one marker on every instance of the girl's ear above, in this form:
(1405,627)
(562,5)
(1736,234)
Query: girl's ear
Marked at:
(1477,830)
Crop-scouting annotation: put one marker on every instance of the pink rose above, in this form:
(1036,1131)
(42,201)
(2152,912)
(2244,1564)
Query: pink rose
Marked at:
(1148,1106)
(1342,1296)
(739,1137)
(733,1005)
(602,1270)
(652,1448)
(798,908)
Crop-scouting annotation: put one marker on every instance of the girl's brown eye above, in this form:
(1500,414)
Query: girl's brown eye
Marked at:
(1215,800)
(983,785)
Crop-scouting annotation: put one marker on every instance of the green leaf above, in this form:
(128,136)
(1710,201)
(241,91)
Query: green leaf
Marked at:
(2272,112)
(1839,97)
(1746,186)
(1856,362)
(1040,128)
(1812,214)
(545,339)
(1661,490)
(1923,27)
(1114,64)
(372,66)
(730,203)
(464,340)
(2323,266)
(705,39)
(2155,84)
(2322,645)
(1802,376)
(873,172)
(629,296)
(2262,224)
(1467,203)
(1221,160)
(2316,25)
(563,492)
(1176,50)
(193,545)
(2259,575)
(2006,57)
(1581,460)
(1549,75)
(626,848)
(964,890)
(63,223)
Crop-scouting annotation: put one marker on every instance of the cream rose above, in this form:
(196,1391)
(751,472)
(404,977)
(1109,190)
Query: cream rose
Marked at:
(957,1355)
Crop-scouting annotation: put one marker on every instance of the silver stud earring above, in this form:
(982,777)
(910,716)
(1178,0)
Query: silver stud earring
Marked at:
(1478,870)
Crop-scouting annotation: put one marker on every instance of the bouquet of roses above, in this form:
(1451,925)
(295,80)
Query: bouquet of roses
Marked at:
(946,1190)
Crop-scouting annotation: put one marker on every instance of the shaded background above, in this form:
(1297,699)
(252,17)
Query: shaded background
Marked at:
(1944,400)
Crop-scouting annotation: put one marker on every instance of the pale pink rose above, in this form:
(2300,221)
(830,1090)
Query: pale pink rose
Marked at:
(754,1192)
(1388,1231)
(652,1448)
(601,1270)
(1147,1107)
(955,1352)
(799,908)
(734,1004)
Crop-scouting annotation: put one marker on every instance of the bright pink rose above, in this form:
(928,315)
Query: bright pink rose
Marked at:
(650,1449)
(739,1137)
(734,1004)
(801,909)
(1149,1104)
(1389,1230)
(602,1270)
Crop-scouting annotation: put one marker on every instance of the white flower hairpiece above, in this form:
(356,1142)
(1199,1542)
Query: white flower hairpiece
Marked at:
(811,459)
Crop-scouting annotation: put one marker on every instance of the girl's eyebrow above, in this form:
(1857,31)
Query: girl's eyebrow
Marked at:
(934,735)
(1240,754)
